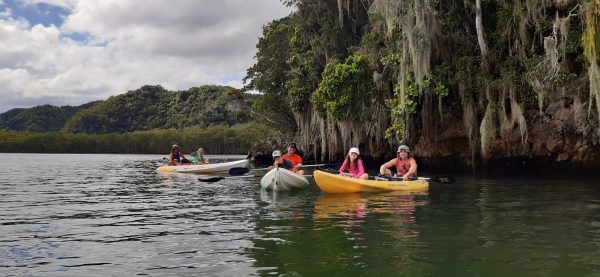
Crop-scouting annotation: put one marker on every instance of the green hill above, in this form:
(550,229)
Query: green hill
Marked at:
(45,118)
(153,107)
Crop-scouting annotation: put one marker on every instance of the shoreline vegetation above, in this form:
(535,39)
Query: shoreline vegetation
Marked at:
(222,139)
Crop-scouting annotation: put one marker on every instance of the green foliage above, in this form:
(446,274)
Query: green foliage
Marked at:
(438,80)
(304,65)
(293,51)
(222,139)
(402,105)
(346,89)
(268,75)
(43,118)
(151,107)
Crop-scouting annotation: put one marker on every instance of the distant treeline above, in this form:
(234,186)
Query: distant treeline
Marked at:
(143,109)
(221,139)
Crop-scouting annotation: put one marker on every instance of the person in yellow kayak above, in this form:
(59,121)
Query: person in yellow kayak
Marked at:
(406,166)
(176,157)
(198,157)
(294,158)
(354,165)
(280,162)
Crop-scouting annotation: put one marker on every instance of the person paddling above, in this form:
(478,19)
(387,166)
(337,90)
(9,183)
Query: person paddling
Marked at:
(294,158)
(354,165)
(280,162)
(199,157)
(176,157)
(406,166)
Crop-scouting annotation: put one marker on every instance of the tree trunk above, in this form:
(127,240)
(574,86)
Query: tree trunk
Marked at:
(481,34)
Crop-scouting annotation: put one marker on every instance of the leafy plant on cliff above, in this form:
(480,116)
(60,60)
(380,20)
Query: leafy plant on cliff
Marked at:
(346,89)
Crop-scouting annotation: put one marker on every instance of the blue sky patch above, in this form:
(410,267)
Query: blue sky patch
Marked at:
(38,13)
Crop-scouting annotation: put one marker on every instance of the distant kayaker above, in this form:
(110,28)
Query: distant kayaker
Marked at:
(280,162)
(294,158)
(176,157)
(354,165)
(406,166)
(198,157)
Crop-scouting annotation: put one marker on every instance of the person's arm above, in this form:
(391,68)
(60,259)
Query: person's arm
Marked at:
(361,169)
(299,163)
(343,168)
(387,165)
(411,171)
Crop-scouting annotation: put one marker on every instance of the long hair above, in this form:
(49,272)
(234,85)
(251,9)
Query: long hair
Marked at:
(355,163)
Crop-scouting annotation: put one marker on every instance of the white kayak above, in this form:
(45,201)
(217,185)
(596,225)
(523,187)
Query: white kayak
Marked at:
(279,179)
(203,168)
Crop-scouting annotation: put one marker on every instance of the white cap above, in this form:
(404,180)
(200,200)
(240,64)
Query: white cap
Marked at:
(276,153)
(354,150)
(403,147)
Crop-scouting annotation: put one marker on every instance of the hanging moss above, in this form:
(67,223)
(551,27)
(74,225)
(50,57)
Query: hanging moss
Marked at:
(432,85)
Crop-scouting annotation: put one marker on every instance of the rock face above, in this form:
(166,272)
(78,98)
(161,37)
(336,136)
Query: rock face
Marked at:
(563,134)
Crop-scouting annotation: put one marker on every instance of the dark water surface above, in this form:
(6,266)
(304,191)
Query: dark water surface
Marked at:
(112,215)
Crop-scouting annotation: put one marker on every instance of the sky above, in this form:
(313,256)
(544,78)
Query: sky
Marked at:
(70,52)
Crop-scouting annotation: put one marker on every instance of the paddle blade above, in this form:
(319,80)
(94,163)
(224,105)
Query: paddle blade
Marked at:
(443,179)
(236,171)
(211,179)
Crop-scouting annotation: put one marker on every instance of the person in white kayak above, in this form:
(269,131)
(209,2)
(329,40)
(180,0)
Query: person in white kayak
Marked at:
(198,157)
(294,158)
(354,165)
(406,166)
(176,157)
(280,162)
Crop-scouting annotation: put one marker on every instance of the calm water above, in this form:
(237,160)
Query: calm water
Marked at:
(100,215)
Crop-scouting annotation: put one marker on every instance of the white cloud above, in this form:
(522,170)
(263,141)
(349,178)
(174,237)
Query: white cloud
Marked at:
(178,44)
(67,4)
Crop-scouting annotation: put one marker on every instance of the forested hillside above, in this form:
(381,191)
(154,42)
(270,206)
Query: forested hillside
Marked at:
(147,120)
(45,118)
(153,107)
(474,79)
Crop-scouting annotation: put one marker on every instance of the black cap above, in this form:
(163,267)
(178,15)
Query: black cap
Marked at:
(293,145)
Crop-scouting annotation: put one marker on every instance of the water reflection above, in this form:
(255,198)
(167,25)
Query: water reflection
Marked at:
(77,215)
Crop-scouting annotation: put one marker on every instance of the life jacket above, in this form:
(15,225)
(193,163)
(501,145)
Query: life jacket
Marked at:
(287,165)
(295,159)
(403,166)
(175,157)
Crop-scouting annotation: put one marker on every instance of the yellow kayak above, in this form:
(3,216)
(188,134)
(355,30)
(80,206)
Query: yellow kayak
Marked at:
(333,183)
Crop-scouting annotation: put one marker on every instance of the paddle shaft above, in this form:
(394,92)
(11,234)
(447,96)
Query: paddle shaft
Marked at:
(219,178)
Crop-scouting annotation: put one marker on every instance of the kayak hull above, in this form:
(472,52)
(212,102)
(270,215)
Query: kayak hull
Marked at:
(279,179)
(333,183)
(203,168)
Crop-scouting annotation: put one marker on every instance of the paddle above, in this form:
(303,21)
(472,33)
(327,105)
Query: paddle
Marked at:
(219,178)
(438,179)
(243,170)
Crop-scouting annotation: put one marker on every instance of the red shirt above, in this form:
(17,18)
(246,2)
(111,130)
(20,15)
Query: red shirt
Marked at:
(403,166)
(295,159)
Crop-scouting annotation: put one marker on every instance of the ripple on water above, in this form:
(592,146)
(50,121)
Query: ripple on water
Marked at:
(83,214)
